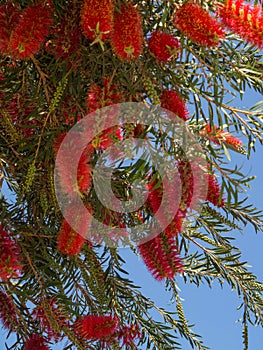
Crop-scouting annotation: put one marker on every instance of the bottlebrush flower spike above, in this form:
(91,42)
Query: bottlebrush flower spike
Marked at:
(161,257)
(127,335)
(69,242)
(40,314)
(36,342)
(97,19)
(10,258)
(9,16)
(172,101)
(99,97)
(198,25)
(163,45)
(95,327)
(7,312)
(30,31)
(216,135)
(127,36)
(243,19)
(213,191)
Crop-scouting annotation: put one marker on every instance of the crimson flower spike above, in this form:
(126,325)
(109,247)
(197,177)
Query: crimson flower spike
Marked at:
(216,135)
(95,327)
(97,19)
(30,31)
(244,20)
(172,100)
(198,25)
(127,37)
(7,312)
(161,257)
(163,45)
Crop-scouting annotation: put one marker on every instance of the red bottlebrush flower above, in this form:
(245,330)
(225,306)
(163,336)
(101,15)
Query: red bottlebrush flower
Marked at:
(40,314)
(176,225)
(163,45)
(97,19)
(36,342)
(30,31)
(172,101)
(95,327)
(9,16)
(127,36)
(127,335)
(213,191)
(101,97)
(214,134)
(198,25)
(65,169)
(7,312)
(243,19)
(10,258)
(69,242)
(161,257)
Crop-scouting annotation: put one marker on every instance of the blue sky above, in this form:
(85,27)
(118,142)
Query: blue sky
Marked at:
(212,310)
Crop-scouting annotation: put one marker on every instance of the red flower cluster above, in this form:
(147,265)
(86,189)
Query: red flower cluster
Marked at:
(30,31)
(9,16)
(66,171)
(198,25)
(40,314)
(172,101)
(69,242)
(243,19)
(163,45)
(10,258)
(7,312)
(214,134)
(99,97)
(95,327)
(127,36)
(36,341)
(126,335)
(161,257)
(97,19)
(213,191)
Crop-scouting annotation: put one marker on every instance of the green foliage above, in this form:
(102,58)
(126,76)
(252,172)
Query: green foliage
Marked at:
(53,90)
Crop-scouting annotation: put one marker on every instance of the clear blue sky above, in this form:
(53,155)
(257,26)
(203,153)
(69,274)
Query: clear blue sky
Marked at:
(212,310)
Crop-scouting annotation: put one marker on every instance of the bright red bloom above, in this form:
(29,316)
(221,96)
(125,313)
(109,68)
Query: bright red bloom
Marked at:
(40,314)
(30,31)
(7,312)
(65,168)
(97,19)
(95,327)
(198,25)
(243,19)
(163,45)
(127,335)
(176,225)
(172,101)
(10,258)
(213,191)
(9,16)
(99,97)
(214,134)
(161,257)
(69,242)
(127,36)
(35,342)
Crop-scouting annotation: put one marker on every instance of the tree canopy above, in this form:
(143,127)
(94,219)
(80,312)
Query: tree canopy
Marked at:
(168,75)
